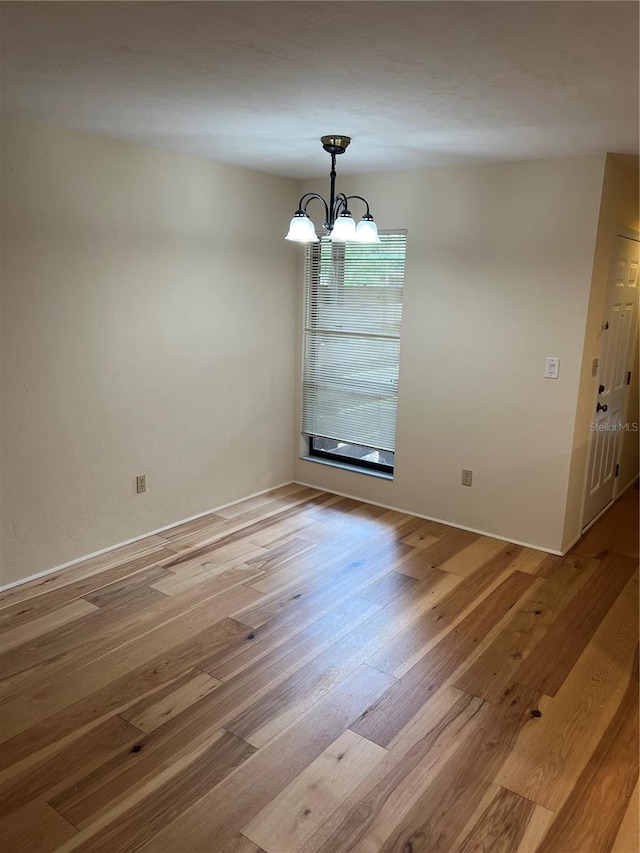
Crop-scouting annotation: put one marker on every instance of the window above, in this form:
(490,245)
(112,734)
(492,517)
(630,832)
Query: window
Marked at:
(353,311)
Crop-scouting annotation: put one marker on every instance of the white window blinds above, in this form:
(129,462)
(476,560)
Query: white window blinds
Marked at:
(353,311)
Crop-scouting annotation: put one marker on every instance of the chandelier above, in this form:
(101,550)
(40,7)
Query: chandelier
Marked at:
(339,223)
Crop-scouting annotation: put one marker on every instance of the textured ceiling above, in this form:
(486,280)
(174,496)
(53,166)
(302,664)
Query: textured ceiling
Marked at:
(257,83)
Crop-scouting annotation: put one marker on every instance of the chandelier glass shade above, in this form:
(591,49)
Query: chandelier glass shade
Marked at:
(339,224)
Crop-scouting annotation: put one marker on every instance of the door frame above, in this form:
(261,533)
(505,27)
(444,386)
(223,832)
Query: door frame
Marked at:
(629,234)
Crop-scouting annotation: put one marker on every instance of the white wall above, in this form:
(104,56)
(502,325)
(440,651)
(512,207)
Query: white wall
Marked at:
(142,332)
(499,265)
(619,207)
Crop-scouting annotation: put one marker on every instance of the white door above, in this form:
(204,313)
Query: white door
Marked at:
(617,342)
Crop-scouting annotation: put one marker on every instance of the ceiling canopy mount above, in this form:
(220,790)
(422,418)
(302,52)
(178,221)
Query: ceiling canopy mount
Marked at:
(335,144)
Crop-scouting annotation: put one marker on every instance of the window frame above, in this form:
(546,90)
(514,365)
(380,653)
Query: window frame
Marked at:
(349,461)
(313,453)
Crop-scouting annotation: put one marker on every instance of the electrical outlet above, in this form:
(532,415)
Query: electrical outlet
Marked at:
(467,477)
(141,483)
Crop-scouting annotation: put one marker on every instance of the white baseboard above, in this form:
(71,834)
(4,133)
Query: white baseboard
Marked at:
(77,560)
(439,520)
(159,530)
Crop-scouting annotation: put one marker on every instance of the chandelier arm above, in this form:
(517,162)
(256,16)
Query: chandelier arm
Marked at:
(341,202)
(359,197)
(307,197)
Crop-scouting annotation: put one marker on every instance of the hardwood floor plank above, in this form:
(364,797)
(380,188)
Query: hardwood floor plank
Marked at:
(472,557)
(386,795)
(298,810)
(290,597)
(20,598)
(336,510)
(496,670)
(592,814)
(364,510)
(628,837)
(285,577)
(397,525)
(358,572)
(396,708)
(616,532)
(359,541)
(35,828)
(201,538)
(426,534)
(343,529)
(421,561)
(276,534)
(552,659)
(549,565)
(42,753)
(240,844)
(65,648)
(463,594)
(51,621)
(154,711)
(221,576)
(148,817)
(282,497)
(389,587)
(489,794)
(274,711)
(214,709)
(281,554)
(538,824)
(548,759)
(130,775)
(45,599)
(67,765)
(298,640)
(245,525)
(238,799)
(501,826)
(534,562)
(225,553)
(187,528)
(114,695)
(123,644)
(119,592)
(441,810)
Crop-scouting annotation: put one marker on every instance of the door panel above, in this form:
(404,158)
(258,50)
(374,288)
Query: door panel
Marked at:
(618,336)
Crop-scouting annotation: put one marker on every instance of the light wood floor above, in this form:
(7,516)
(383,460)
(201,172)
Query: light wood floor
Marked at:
(304,673)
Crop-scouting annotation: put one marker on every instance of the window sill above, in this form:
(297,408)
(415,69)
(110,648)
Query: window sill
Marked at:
(356,469)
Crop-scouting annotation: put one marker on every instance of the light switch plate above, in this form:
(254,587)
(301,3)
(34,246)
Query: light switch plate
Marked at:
(551,367)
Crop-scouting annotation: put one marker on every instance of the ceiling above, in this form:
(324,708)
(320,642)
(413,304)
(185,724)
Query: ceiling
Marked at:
(257,83)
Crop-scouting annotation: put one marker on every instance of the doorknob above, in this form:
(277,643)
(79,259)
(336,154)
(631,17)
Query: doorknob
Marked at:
(600,389)
(601,408)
